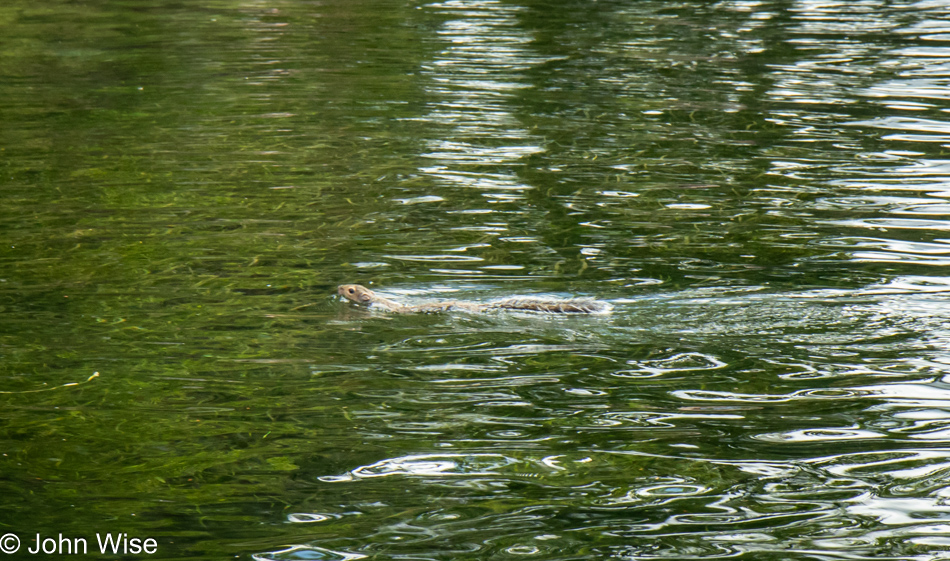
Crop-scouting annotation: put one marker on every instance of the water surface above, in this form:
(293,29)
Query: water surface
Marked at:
(760,189)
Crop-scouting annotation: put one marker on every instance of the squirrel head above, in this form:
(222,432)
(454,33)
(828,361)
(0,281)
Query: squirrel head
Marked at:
(356,293)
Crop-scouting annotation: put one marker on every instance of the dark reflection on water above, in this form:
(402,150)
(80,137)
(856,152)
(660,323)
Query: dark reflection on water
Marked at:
(760,189)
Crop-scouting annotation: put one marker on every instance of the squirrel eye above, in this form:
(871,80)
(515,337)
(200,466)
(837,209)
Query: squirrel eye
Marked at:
(352,291)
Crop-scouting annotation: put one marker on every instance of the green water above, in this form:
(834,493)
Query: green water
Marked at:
(760,190)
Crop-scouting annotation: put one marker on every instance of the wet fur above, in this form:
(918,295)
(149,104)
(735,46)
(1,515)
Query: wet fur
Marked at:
(362,295)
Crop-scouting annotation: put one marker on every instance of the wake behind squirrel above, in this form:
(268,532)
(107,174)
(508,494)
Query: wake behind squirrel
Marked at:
(362,295)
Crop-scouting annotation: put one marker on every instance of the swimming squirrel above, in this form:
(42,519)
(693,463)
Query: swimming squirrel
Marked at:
(362,295)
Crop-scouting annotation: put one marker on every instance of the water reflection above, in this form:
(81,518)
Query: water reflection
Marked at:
(759,188)
(476,77)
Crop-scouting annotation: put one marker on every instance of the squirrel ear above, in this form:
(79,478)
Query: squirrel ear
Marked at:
(365,297)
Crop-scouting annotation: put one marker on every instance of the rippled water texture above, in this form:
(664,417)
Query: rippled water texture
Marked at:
(761,190)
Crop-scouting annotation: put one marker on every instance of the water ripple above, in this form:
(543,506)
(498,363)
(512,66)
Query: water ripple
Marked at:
(441,465)
(307,552)
(683,362)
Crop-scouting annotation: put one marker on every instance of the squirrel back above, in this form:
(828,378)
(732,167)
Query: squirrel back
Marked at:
(574,306)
